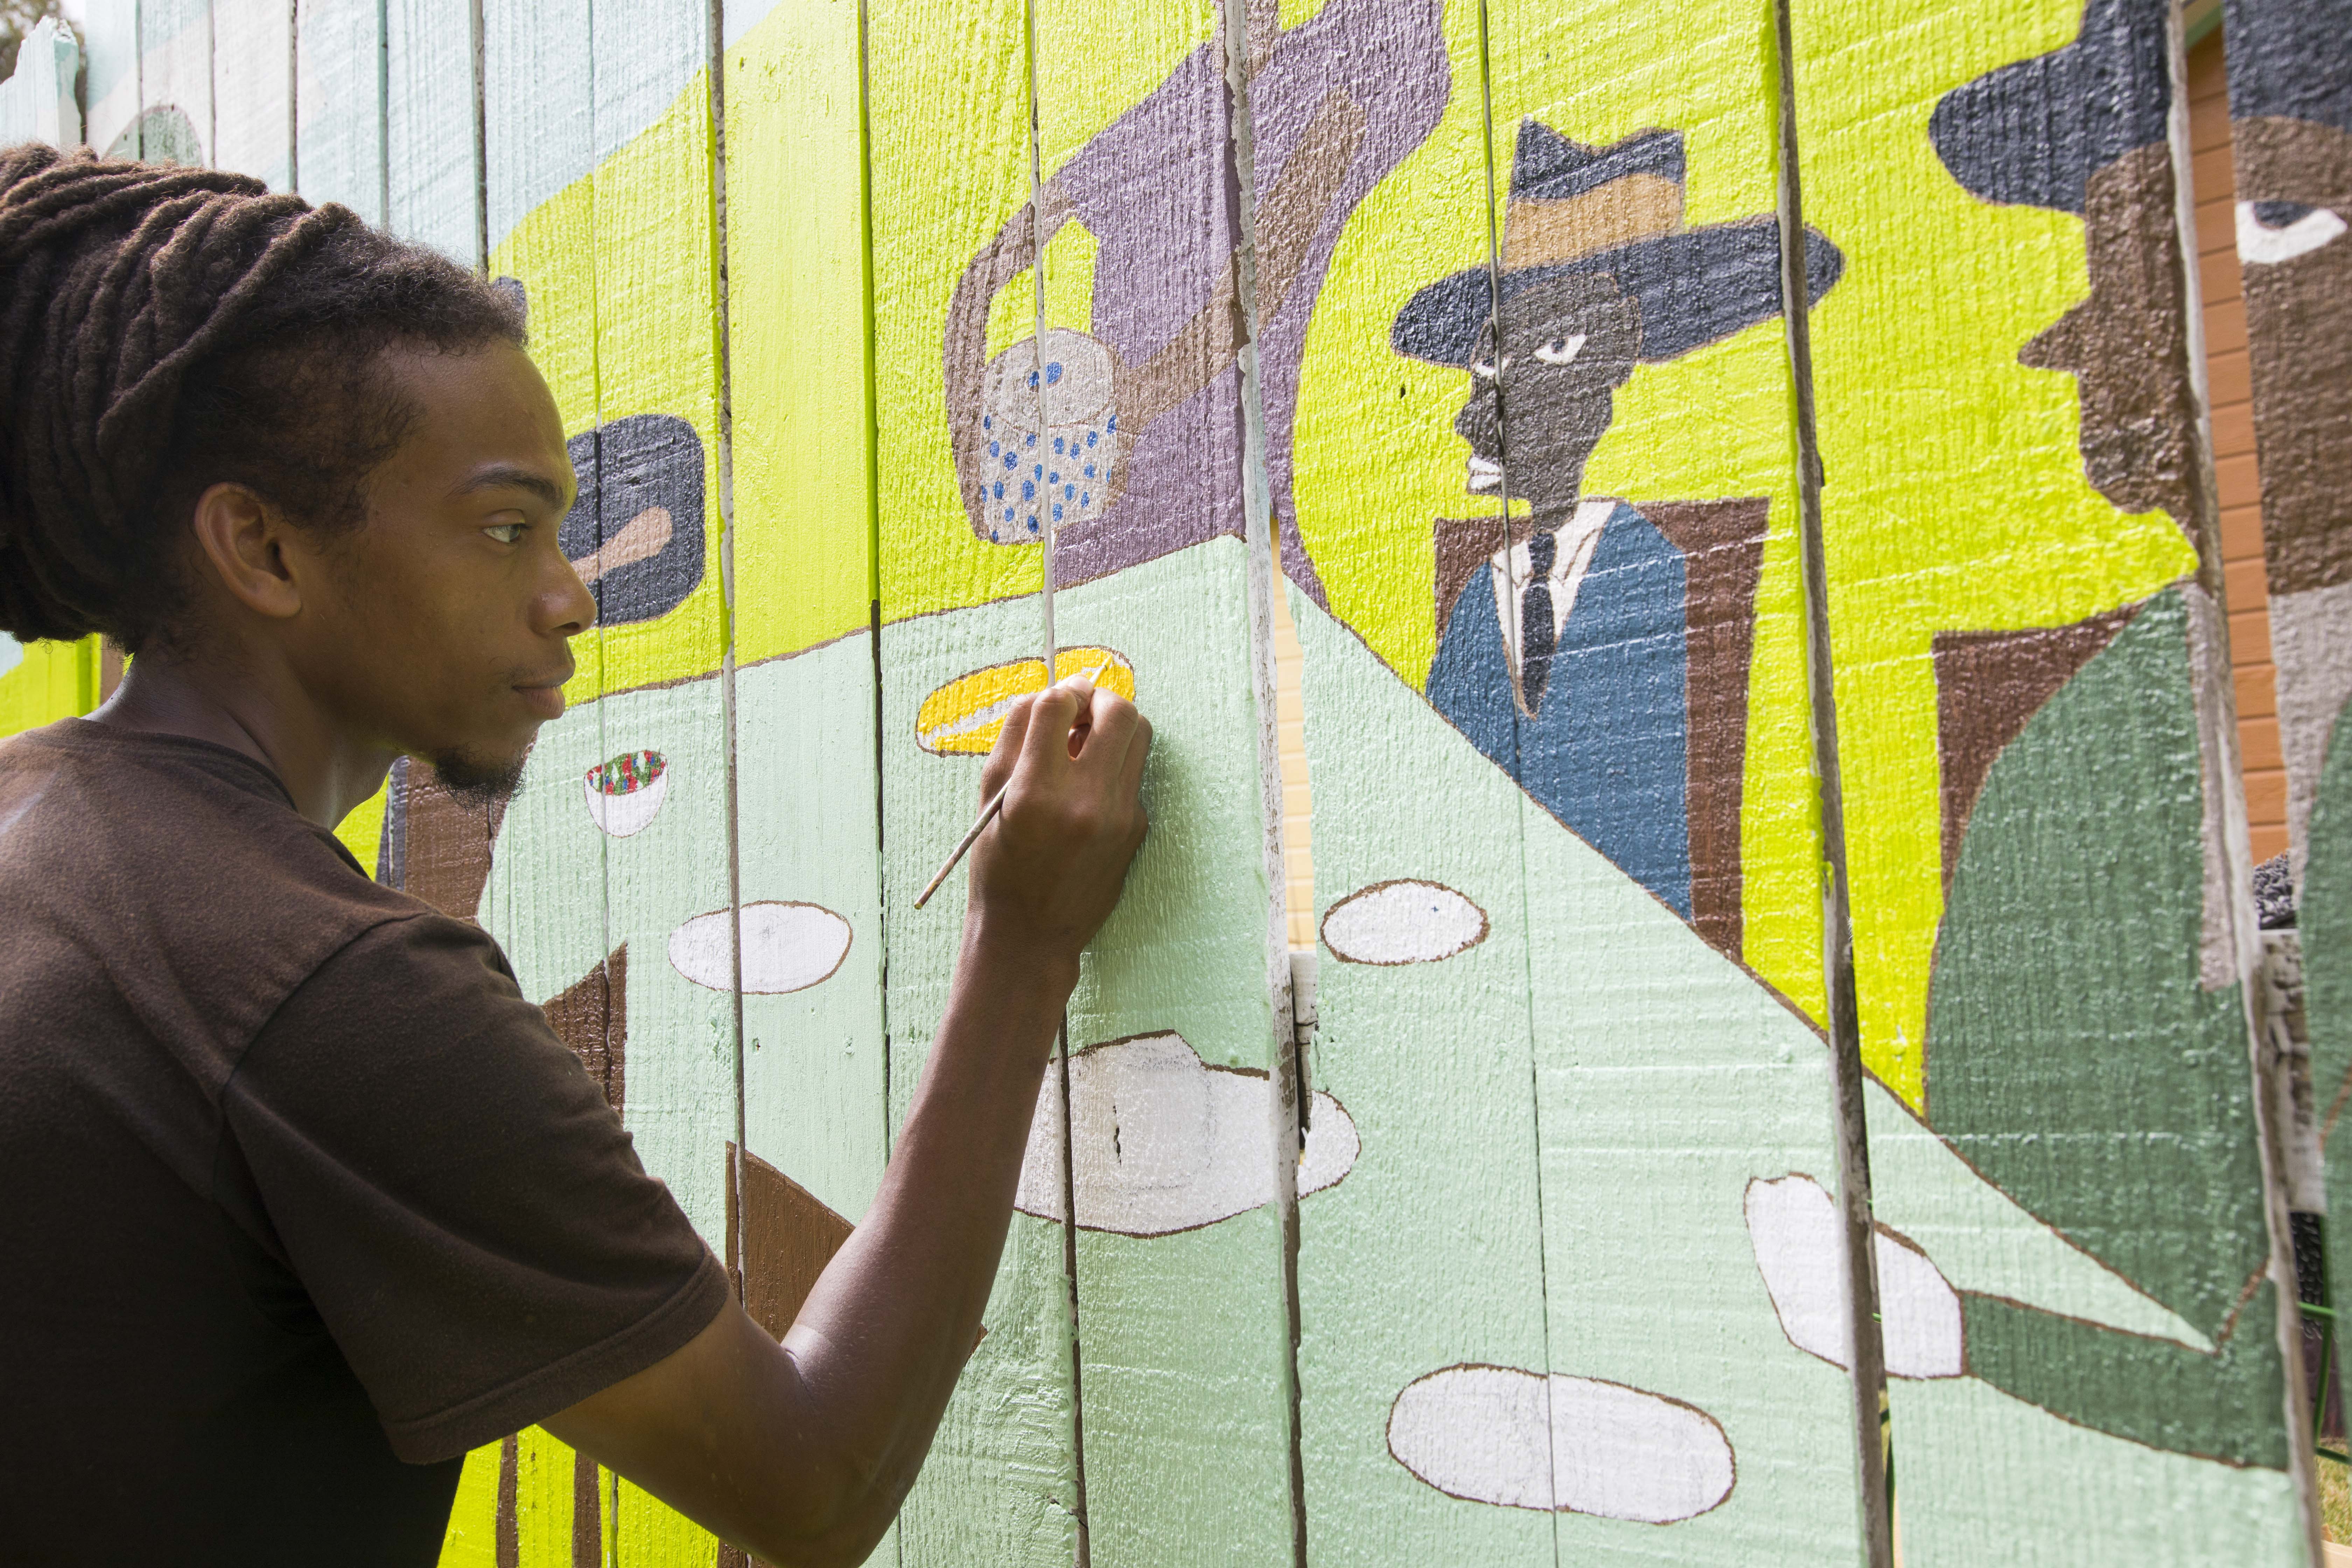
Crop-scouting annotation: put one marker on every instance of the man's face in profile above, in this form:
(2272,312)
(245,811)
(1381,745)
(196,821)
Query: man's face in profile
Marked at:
(1539,403)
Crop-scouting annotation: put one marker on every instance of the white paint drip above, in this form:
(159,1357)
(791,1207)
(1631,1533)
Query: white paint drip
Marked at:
(1163,1142)
(1403,923)
(1799,1240)
(786,947)
(1572,1444)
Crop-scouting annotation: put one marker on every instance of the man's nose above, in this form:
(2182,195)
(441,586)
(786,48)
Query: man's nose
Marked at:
(1480,421)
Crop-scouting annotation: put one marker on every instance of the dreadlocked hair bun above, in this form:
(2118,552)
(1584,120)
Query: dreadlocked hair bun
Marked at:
(166,329)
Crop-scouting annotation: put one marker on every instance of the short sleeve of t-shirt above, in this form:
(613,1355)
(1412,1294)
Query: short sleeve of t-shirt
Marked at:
(467,1215)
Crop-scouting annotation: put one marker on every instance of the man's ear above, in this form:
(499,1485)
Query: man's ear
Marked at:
(241,538)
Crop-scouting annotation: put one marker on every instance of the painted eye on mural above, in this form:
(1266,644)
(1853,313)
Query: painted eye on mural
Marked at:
(1559,351)
(1484,369)
(2273,232)
(625,792)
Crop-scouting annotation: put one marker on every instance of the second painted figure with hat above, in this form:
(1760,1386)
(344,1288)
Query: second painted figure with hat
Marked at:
(1565,640)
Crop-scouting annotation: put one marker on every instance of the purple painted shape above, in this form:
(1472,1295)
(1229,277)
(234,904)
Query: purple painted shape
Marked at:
(1156,190)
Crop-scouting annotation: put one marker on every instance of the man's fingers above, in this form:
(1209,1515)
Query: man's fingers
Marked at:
(1045,745)
(1111,721)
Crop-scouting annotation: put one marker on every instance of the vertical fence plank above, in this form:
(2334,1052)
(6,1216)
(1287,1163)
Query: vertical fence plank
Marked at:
(176,81)
(109,36)
(1421,1242)
(2291,131)
(36,102)
(431,126)
(339,104)
(252,75)
(2045,841)
(1001,1483)
(1174,1080)
(817,1087)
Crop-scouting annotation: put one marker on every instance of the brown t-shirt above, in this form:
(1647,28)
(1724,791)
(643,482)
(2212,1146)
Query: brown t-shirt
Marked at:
(300,1198)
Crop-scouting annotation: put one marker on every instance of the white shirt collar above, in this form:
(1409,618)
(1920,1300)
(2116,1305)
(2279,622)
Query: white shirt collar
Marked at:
(1513,568)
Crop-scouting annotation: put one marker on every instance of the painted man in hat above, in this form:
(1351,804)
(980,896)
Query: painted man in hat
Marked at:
(1564,658)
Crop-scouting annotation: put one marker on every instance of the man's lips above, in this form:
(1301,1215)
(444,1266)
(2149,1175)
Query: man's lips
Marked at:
(547,701)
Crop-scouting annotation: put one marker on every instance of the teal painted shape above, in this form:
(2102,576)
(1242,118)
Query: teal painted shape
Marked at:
(2324,916)
(1559,1128)
(429,125)
(2073,1057)
(538,105)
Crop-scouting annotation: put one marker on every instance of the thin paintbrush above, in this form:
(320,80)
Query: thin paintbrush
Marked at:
(987,814)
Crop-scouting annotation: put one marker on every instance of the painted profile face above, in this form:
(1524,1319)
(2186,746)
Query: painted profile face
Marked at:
(2295,204)
(2125,345)
(1543,398)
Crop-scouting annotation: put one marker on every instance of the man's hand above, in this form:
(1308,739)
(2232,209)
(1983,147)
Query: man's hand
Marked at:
(1047,873)
(802,1451)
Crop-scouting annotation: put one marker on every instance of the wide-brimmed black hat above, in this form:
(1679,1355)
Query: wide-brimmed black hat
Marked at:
(1615,210)
(2032,134)
(2291,61)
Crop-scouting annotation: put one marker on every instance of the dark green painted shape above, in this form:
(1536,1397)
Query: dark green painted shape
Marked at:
(2324,916)
(2224,1406)
(2072,1056)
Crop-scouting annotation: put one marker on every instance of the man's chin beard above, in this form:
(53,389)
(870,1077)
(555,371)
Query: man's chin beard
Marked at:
(479,781)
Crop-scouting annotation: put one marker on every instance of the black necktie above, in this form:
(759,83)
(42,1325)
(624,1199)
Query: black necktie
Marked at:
(1536,635)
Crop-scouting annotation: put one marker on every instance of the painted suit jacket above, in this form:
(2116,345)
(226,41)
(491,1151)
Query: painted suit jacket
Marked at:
(1605,750)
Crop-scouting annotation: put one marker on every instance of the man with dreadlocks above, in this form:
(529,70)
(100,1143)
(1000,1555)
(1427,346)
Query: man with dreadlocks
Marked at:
(300,1198)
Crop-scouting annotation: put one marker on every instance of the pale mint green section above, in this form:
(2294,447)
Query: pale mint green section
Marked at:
(1592,1039)
(1982,1241)
(2030,1490)
(1186,1420)
(815,1093)
(546,903)
(1431,1253)
(1187,1424)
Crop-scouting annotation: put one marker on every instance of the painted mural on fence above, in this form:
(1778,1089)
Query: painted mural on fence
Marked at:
(1569,1257)
(2048,923)
(2291,131)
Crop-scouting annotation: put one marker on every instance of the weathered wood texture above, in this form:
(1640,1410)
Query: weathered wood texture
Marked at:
(2291,135)
(339,149)
(2047,842)
(252,89)
(37,101)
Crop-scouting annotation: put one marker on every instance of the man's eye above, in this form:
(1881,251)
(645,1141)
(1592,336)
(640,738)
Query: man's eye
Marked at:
(504,532)
(1559,351)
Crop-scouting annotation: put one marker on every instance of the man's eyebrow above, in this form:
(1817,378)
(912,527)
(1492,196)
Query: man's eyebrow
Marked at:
(508,476)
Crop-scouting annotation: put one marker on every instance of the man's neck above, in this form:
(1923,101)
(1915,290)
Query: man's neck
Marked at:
(326,773)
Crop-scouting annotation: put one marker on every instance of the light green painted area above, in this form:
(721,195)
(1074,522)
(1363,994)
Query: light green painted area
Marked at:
(1594,1229)
(2325,917)
(2039,1490)
(1186,1426)
(1983,1241)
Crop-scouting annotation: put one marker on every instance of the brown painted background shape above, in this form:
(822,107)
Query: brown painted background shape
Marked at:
(438,846)
(592,1016)
(1722,542)
(786,1236)
(1988,685)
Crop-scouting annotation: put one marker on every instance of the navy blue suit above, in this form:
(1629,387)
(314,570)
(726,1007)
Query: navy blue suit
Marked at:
(1606,751)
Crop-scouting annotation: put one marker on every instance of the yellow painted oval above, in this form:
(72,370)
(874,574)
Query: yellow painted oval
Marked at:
(963,718)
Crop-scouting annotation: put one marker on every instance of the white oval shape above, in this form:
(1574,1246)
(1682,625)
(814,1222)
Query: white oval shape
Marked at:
(621,811)
(1164,1142)
(1571,1444)
(786,947)
(1402,921)
(2259,245)
(1799,1240)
